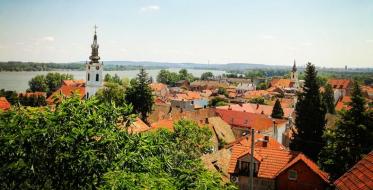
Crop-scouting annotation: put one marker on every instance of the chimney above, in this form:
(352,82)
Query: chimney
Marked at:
(229,107)
(275,130)
(257,106)
(206,120)
(240,104)
(266,141)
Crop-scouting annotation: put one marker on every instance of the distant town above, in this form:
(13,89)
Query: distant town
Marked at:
(248,128)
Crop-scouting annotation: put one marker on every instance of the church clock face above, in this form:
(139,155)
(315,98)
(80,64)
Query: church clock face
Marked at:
(97,67)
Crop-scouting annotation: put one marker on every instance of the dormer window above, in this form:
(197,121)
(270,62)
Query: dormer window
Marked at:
(292,175)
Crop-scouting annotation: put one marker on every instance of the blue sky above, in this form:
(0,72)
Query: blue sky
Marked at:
(329,33)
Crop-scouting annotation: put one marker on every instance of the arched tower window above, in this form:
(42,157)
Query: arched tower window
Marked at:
(88,76)
(87,94)
(97,77)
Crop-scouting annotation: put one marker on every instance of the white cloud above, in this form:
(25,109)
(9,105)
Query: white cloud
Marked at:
(150,8)
(369,41)
(48,38)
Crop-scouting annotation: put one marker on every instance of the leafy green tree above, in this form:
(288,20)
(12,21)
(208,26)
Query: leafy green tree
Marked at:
(70,147)
(167,77)
(217,101)
(11,96)
(262,86)
(112,92)
(258,100)
(222,91)
(139,94)
(184,75)
(350,139)
(113,79)
(207,75)
(277,111)
(328,99)
(48,83)
(310,117)
(38,84)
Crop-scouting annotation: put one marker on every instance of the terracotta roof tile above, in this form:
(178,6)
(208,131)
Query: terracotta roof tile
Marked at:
(28,94)
(247,120)
(282,83)
(138,126)
(73,82)
(165,124)
(4,104)
(256,108)
(360,176)
(157,86)
(67,91)
(255,94)
(340,83)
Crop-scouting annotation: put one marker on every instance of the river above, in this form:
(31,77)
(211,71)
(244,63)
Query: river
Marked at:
(19,80)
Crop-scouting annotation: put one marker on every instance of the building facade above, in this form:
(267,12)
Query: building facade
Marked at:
(94,77)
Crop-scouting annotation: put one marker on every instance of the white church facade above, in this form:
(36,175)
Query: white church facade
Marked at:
(94,68)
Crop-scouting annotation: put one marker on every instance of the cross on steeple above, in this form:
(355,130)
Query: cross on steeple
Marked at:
(95,27)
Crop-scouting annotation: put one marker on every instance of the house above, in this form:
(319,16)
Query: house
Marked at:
(367,91)
(200,85)
(242,122)
(342,103)
(275,168)
(341,87)
(257,108)
(222,130)
(189,101)
(360,176)
(4,104)
(244,87)
(185,84)
(138,126)
(68,88)
(159,89)
(257,94)
(282,83)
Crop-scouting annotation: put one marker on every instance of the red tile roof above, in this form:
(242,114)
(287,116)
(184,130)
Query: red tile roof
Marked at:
(302,158)
(73,82)
(67,91)
(358,177)
(189,95)
(165,124)
(340,83)
(138,126)
(246,141)
(255,94)
(247,120)
(157,86)
(282,83)
(256,108)
(4,104)
(271,160)
(343,103)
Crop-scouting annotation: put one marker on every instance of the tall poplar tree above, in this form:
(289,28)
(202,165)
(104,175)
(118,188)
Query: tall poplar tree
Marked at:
(139,94)
(350,139)
(310,117)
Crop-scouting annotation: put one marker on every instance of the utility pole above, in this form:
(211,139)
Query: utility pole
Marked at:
(251,182)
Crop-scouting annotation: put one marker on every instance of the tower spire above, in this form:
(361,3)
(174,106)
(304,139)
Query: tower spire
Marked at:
(294,66)
(94,54)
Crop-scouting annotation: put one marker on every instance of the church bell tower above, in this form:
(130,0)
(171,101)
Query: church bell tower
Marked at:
(94,70)
(294,75)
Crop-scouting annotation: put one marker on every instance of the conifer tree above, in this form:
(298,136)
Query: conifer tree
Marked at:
(139,94)
(310,117)
(328,99)
(277,111)
(350,139)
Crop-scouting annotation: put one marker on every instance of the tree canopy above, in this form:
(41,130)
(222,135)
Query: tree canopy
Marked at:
(140,95)
(350,139)
(48,83)
(310,117)
(170,78)
(79,145)
(328,99)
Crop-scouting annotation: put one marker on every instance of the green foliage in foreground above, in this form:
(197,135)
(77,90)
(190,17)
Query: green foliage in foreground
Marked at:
(79,146)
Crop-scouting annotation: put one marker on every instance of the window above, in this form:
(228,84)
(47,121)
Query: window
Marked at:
(88,76)
(87,94)
(292,175)
(97,68)
(97,77)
